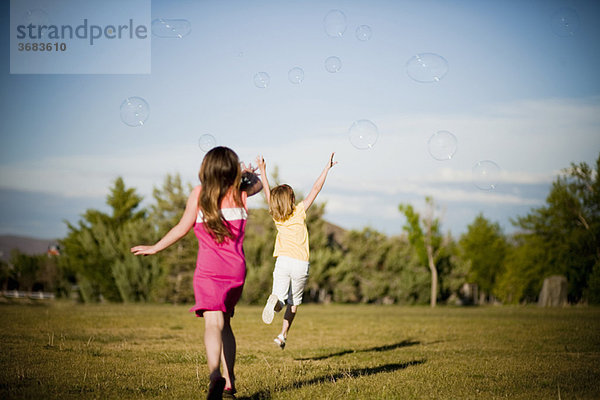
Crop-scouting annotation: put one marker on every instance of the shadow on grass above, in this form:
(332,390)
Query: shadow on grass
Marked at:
(404,343)
(352,373)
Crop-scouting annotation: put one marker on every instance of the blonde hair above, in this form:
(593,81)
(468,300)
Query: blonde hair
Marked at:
(282,203)
(220,172)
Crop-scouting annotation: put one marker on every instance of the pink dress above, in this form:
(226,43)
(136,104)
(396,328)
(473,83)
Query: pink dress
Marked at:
(220,267)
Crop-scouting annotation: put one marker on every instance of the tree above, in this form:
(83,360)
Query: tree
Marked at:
(567,230)
(424,235)
(97,250)
(325,254)
(485,247)
(7,275)
(179,260)
(359,275)
(25,269)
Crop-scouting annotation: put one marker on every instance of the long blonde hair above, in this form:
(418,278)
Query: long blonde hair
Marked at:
(282,203)
(219,173)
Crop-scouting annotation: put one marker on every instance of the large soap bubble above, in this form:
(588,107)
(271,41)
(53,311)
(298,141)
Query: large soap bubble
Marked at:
(171,28)
(363,134)
(335,23)
(363,33)
(442,145)
(427,67)
(261,80)
(296,75)
(207,142)
(486,174)
(134,111)
(333,64)
(565,22)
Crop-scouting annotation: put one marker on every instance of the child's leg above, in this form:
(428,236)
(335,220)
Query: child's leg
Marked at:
(214,322)
(281,280)
(288,318)
(281,283)
(228,354)
(299,276)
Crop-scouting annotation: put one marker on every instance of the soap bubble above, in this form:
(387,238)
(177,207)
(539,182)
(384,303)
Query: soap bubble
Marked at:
(335,23)
(427,67)
(207,142)
(565,22)
(333,64)
(134,111)
(442,145)
(363,134)
(363,32)
(296,75)
(261,80)
(171,28)
(485,175)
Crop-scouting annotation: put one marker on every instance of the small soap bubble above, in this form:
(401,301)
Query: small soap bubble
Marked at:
(442,145)
(363,134)
(333,64)
(565,22)
(171,28)
(485,175)
(363,33)
(427,67)
(335,23)
(296,75)
(134,111)
(261,80)
(207,142)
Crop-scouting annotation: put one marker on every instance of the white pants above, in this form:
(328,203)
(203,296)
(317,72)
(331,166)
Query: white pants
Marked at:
(289,278)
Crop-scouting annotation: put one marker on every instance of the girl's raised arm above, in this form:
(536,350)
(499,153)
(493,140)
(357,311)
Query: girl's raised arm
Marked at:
(178,231)
(262,166)
(319,183)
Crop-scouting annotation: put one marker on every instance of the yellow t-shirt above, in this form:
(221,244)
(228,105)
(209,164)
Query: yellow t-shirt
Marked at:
(292,235)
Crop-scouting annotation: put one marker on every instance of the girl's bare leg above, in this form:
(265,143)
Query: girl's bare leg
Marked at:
(228,354)
(214,322)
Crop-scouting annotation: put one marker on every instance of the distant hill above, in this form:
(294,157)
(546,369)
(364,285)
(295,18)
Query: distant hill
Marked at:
(27,245)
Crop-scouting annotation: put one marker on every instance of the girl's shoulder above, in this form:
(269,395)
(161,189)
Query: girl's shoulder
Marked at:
(196,191)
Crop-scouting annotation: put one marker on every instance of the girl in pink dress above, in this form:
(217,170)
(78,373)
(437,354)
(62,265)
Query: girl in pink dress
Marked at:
(217,212)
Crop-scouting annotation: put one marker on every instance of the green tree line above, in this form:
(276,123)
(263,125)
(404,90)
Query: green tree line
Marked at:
(421,266)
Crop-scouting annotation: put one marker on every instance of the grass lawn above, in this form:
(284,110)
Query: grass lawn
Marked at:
(68,351)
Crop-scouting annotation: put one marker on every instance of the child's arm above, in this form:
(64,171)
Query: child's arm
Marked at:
(263,177)
(318,184)
(178,231)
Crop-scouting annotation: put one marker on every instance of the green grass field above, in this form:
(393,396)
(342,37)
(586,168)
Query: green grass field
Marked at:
(69,351)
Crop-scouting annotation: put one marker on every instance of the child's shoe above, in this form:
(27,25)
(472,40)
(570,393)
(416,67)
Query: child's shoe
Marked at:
(280,341)
(269,310)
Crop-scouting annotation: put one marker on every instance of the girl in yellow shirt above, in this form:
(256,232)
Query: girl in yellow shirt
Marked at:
(291,247)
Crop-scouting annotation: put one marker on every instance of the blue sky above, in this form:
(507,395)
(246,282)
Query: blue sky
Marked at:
(515,93)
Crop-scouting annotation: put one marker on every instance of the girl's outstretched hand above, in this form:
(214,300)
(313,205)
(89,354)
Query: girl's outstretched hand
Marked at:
(143,250)
(331,162)
(260,161)
(248,168)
